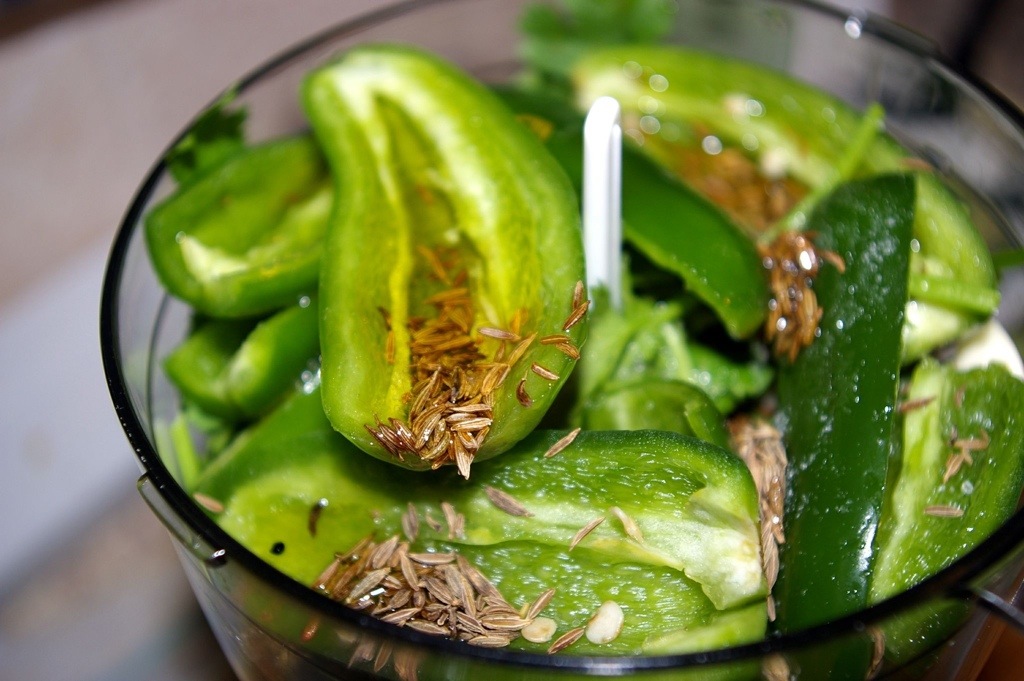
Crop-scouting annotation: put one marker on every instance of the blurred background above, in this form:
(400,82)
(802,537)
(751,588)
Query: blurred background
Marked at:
(91,92)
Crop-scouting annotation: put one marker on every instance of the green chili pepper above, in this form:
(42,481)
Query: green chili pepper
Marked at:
(959,478)
(953,283)
(236,369)
(837,408)
(696,566)
(244,238)
(674,406)
(672,96)
(197,366)
(673,226)
(640,371)
(436,181)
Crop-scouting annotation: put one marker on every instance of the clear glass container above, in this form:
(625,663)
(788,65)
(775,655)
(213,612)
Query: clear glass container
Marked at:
(271,627)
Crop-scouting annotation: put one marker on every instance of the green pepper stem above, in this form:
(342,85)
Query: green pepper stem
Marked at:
(847,165)
(953,293)
(1005,259)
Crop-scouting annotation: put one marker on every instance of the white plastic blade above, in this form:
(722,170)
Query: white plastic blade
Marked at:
(602,197)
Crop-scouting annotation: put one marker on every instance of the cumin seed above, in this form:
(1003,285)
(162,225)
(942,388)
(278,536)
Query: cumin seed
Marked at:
(628,524)
(209,503)
(314,516)
(537,607)
(521,349)
(584,531)
(506,502)
(411,522)
(566,640)
(576,315)
(521,394)
(569,350)
(562,443)
(577,294)
(941,511)
(544,372)
(432,559)
(555,339)
(499,334)
(915,404)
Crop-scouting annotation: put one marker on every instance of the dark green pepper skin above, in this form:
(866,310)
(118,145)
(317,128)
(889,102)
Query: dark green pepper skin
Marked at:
(425,156)
(983,406)
(838,407)
(675,227)
(244,238)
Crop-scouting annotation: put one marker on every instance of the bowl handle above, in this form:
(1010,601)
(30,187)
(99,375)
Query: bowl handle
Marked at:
(178,529)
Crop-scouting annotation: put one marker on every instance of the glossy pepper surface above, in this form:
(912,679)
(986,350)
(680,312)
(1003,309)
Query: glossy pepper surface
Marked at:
(238,369)
(244,237)
(837,403)
(440,192)
(959,476)
(675,98)
(697,560)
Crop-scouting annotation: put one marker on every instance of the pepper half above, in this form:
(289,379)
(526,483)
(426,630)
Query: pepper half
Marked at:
(450,312)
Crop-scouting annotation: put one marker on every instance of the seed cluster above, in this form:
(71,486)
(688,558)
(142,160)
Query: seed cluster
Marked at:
(962,449)
(760,446)
(793,263)
(432,593)
(451,404)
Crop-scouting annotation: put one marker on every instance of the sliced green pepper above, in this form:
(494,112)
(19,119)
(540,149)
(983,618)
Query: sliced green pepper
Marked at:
(671,96)
(245,237)
(696,564)
(196,367)
(640,372)
(430,166)
(273,357)
(960,476)
(953,283)
(837,405)
(237,369)
(656,404)
(806,130)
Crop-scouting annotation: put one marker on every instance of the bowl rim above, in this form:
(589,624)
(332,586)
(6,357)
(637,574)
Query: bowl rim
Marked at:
(951,583)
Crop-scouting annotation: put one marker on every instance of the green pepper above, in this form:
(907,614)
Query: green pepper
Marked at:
(236,369)
(196,366)
(673,226)
(960,476)
(693,579)
(440,192)
(953,283)
(837,408)
(668,405)
(244,238)
(672,96)
(641,372)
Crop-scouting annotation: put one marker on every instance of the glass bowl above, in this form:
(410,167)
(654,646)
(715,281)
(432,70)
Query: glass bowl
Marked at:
(273,627)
